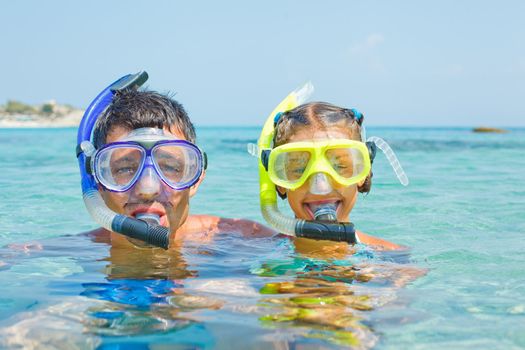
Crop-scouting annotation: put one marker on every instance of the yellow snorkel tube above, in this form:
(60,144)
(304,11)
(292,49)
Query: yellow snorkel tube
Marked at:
(333,231)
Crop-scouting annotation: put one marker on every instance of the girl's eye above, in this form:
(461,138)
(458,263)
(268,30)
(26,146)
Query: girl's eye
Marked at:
(295,172)
(298,170)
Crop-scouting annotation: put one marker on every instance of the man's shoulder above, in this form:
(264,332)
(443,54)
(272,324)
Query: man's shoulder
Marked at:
(247,227)
(99,235)
(201,222)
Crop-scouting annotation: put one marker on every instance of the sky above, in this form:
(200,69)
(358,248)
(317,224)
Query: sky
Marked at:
(401,63)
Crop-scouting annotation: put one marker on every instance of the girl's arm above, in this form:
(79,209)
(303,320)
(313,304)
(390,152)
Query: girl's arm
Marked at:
(377,242)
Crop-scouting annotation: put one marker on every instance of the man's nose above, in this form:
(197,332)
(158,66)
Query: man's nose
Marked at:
(148,186)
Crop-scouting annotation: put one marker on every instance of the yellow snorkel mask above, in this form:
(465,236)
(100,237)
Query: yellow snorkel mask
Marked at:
(290,165)
(345,161)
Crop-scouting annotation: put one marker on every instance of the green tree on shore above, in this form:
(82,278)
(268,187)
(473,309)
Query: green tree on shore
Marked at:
(13,106)
(47,108)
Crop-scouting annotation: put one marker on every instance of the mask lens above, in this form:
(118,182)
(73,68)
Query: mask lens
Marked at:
(290,166)
(117,167)
(178,165)
(347,162)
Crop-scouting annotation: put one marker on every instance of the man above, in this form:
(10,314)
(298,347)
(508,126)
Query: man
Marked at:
(146,166)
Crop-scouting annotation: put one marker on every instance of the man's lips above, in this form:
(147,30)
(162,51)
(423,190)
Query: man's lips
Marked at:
(134,210)
(148,210)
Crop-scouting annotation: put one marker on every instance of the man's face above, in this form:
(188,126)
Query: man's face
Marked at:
(150,194)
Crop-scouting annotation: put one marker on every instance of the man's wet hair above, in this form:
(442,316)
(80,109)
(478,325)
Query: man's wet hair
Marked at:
(132,109)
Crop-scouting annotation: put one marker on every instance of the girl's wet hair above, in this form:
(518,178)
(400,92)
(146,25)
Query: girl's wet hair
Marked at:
(320,116)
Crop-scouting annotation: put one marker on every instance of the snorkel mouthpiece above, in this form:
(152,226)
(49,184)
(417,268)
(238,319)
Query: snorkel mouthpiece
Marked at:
(149,217)
(326,212)
(337,231)
(146,231)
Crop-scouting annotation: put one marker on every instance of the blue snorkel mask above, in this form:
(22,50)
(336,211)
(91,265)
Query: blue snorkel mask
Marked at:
(151,153)
(144,230)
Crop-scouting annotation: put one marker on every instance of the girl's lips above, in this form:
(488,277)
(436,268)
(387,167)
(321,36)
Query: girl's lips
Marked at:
(310,207)
(322,201)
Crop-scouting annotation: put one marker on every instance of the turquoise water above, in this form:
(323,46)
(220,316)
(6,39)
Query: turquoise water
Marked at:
(463,216)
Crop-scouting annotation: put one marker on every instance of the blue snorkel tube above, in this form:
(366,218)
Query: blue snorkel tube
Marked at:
(145,231)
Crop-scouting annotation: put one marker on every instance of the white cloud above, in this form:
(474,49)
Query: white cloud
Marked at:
(368,44)
(363,53)
(373,40)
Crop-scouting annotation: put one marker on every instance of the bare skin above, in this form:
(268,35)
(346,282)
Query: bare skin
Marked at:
(198,228)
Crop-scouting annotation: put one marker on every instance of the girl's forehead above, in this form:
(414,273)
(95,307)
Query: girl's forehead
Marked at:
(312,133)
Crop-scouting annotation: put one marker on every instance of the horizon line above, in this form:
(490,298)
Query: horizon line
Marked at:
(5,127)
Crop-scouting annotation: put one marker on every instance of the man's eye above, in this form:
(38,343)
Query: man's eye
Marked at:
(171,168)
(124,170)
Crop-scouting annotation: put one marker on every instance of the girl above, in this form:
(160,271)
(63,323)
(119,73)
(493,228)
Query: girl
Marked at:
(315,155)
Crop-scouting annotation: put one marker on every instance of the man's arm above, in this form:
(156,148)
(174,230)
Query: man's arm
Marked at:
(247,228)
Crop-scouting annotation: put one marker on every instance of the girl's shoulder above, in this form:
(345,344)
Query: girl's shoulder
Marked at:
(378,243)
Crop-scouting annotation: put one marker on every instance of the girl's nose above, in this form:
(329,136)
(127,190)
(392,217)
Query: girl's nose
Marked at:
(320,184)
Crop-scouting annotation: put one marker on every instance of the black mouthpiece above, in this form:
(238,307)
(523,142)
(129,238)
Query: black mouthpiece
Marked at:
(147,232)
(336,231)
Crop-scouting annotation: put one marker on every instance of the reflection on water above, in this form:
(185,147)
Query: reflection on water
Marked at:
(327,310)
(328,299)
(146,264)
(274,294)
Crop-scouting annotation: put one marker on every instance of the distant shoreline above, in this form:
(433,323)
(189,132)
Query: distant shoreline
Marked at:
(74,122)
(73,118)
(15,114)
(37,121)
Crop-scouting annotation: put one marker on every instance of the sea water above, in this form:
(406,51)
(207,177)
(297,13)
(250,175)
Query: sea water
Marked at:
(462,215)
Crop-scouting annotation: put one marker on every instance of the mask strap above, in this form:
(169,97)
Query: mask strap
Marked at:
(363,133)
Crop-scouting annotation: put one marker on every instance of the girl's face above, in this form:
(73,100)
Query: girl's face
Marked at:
(301,200)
